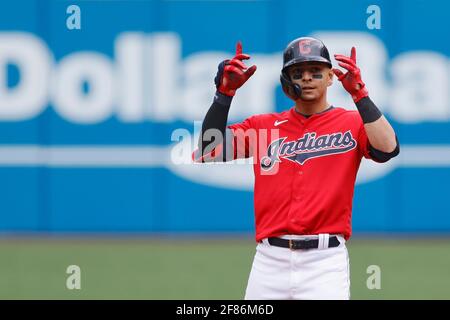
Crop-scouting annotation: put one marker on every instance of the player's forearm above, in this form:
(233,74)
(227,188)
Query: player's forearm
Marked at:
(215,122)
(380,133)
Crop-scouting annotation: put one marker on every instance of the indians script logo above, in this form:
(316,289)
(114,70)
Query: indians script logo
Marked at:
(307,147)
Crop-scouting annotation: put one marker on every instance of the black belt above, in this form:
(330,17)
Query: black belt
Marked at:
(303,243)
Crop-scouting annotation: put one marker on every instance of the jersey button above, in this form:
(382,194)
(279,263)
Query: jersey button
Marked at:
(297,197)
(300,172)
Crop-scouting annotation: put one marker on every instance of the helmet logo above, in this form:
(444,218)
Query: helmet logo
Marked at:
(304,47)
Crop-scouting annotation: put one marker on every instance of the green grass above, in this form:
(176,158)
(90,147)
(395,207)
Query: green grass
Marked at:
(202,269)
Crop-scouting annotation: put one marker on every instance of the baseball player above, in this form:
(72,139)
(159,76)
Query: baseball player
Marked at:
(305,166)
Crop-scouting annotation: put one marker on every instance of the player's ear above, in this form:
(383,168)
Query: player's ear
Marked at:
(330,77)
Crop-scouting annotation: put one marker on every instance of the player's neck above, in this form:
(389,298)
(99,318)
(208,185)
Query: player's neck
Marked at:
(311,107)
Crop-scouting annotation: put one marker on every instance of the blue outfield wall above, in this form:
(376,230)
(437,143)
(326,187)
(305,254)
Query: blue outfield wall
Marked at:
(87,116)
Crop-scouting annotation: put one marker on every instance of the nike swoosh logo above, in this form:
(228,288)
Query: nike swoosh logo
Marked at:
(277,123)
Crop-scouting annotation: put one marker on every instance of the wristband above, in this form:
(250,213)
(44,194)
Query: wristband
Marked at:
(368,110)
(222,99)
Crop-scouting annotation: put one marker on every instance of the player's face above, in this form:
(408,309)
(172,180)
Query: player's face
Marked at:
(314,78)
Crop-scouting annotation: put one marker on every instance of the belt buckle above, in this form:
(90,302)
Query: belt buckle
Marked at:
(305,241)
(293,245)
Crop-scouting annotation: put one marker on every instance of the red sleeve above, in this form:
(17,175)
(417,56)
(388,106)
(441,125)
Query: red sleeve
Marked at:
(363,142)
(244,137)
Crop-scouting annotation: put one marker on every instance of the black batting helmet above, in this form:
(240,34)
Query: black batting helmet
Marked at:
(304,49)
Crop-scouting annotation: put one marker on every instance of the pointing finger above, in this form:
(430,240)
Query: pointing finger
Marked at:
(238,48)
(353,54)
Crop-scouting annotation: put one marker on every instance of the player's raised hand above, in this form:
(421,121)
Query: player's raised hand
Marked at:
(351,80)
(232,74)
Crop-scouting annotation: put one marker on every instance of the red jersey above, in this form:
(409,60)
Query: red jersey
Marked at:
(305,169)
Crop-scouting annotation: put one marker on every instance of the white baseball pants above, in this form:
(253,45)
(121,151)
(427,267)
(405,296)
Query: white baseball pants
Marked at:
(315,274)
